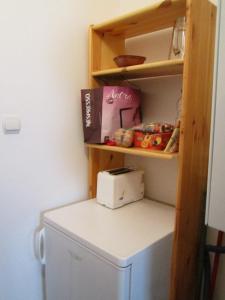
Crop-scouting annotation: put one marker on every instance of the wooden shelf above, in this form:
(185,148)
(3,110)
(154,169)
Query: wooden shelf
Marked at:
(155,69)
(135,151)
(155,17)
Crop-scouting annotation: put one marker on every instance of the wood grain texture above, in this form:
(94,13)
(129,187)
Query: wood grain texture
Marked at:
(111,47)
(101,160)
(154,69)
(194,148)
(135,151)
(161,15)
(102,49)
(94,56)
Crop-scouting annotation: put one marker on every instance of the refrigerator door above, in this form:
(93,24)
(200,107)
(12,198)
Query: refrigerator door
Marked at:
(73,272)
(216,188)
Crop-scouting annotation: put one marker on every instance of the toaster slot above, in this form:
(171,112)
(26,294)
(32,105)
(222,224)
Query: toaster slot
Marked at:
(119,171)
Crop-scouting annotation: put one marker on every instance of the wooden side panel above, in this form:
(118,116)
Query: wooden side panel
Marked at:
(112,46)
(94,58)
(101,160)
(103,47)
(194,148)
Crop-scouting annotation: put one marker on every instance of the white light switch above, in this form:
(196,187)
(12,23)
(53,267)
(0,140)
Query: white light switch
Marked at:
(11,124)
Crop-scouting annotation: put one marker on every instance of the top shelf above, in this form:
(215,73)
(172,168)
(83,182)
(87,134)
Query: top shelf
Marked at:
(155,17)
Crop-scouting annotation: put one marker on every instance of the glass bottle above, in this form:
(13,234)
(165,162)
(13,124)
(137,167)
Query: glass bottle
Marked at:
(179,37)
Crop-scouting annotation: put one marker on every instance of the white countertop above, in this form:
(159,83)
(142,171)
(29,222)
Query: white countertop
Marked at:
(116,234)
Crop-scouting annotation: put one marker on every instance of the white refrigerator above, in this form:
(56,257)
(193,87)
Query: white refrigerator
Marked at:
(95,253)
(216,189)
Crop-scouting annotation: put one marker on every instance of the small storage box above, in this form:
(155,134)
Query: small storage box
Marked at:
(157,141)
(107,109)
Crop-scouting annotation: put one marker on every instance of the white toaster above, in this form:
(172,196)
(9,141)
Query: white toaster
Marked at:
(118,187)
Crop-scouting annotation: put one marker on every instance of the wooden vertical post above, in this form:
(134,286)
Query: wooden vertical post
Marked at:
(194,148)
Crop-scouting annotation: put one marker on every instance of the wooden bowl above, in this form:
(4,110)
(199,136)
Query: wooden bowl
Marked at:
(129,60)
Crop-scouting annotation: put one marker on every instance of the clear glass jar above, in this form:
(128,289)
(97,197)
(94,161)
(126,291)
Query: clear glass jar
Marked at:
(178,45)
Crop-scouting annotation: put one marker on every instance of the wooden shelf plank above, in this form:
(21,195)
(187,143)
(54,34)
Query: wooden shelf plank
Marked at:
(135,151)
(158,16)
(155,69)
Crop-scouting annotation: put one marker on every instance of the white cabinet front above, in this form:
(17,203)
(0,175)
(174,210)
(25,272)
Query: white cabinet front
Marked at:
(216,188)
(73,272)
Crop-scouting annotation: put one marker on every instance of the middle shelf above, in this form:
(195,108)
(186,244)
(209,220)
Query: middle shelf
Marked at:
(135,151)
(153,69)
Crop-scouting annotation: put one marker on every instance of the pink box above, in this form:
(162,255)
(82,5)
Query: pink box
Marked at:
(107,109)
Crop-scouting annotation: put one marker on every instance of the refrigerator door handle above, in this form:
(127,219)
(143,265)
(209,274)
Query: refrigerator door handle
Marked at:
(40,245)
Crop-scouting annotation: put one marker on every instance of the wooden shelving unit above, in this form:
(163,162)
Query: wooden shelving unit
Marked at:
(135,151)
(107,40)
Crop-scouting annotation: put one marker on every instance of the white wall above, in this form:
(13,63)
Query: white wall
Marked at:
(43,59)
(129,5)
